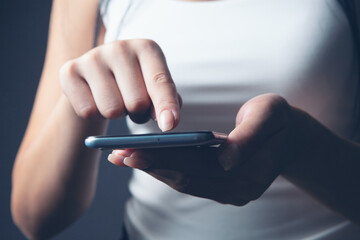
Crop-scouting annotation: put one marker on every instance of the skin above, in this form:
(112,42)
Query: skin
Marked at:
(270,138)
(81,88)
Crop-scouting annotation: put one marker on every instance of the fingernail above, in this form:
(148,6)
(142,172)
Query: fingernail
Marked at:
(167,120)
(128,160)
(116,159)
(230,157)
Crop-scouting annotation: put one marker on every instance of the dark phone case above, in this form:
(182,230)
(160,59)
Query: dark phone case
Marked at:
(161,140)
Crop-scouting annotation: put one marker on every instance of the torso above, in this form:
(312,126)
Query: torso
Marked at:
(300,49)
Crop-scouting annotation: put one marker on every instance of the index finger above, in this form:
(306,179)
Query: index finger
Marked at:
(159,84)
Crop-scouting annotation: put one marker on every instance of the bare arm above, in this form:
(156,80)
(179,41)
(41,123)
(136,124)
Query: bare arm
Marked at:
(327,167)
(52,167)
(54,172)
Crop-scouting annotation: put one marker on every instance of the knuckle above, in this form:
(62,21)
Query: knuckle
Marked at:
(67,75)
(278,102)
(273,102)
(87,112)
(138,105)
(112,112)
(160,78)
(148,44)
(280,109)
(91,57)
(239,202)
(68,70)
(120,47)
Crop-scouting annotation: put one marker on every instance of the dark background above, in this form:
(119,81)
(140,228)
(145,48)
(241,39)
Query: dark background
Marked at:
(24,26)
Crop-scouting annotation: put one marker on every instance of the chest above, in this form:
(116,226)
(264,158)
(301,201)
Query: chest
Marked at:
(232,50)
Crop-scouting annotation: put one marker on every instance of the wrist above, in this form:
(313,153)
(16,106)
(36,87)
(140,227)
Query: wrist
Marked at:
(311,143)
(303,140)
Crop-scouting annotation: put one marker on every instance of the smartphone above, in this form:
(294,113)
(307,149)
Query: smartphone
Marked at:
(161,140)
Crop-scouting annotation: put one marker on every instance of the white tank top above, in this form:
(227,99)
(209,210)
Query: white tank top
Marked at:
(221,54)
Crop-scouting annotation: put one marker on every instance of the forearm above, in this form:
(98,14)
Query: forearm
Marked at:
(54,176)
(327,168)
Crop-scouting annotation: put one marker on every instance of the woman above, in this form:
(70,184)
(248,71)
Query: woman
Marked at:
(223,58)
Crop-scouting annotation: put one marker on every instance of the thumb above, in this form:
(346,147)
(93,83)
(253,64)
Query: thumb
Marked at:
(236,149)
(257,121)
